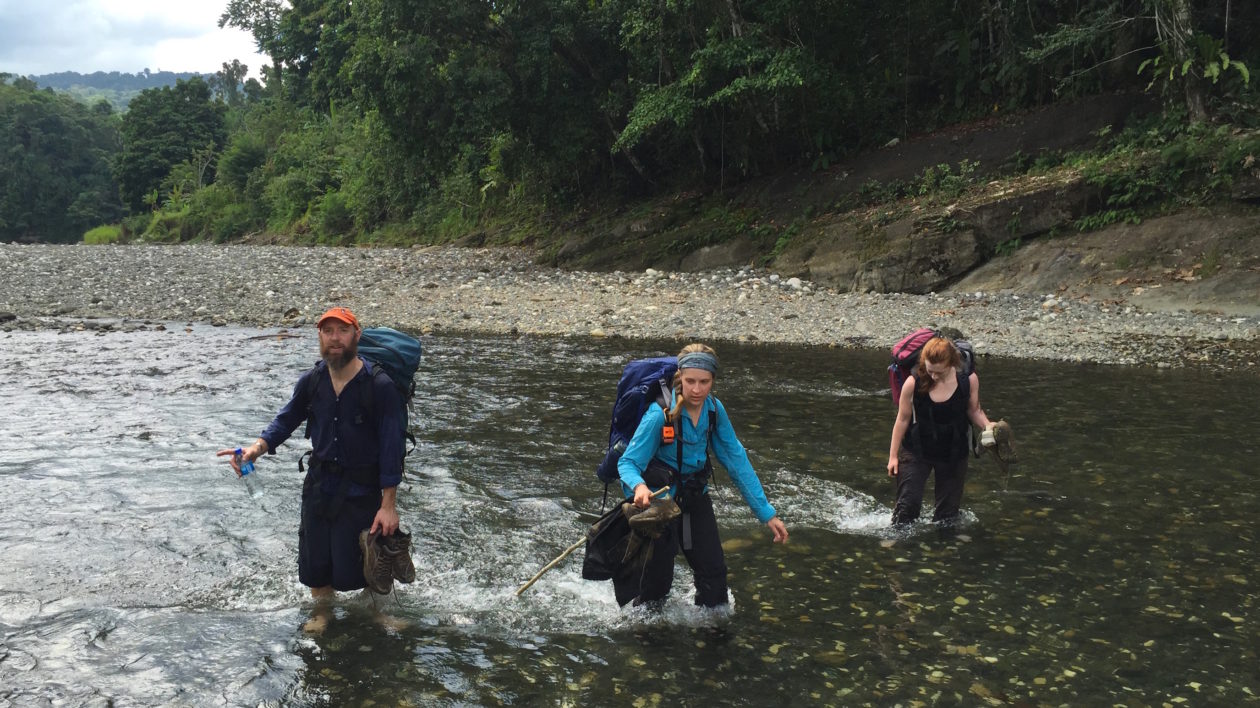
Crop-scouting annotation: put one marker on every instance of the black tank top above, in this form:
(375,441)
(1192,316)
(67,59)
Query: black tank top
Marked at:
(939,430)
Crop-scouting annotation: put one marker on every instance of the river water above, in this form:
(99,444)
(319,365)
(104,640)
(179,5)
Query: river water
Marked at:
(1116,564)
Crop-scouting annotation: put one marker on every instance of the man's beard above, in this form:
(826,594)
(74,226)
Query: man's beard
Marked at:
(339,361)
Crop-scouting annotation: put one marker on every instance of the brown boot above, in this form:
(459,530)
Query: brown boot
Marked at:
(377,566)
(397,549)
(1005,439)
(651,522)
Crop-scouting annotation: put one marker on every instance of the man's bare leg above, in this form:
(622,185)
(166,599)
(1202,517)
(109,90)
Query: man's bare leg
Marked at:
(322,612)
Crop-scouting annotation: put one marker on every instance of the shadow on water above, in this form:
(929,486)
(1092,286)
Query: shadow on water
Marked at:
(1115,564)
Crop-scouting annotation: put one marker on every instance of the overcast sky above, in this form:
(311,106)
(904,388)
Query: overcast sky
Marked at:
(47,36)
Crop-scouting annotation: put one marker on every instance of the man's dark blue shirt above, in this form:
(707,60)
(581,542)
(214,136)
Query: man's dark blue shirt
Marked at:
(342,431)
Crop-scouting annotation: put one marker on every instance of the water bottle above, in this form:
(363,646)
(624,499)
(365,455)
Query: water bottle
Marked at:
(246,469)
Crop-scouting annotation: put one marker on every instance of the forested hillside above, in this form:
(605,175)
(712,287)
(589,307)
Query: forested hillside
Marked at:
(56,157)
(118,88)
(408,121)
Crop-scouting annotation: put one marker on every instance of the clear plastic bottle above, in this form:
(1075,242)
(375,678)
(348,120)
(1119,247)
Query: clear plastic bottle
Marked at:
(246,469)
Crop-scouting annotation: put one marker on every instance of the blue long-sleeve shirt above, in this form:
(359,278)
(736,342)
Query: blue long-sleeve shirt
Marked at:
(646,444)
(341,431)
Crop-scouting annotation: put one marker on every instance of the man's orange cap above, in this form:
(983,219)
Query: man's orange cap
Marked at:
(339,313)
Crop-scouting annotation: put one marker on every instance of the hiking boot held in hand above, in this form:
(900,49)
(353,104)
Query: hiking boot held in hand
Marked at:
(1004,441)
(397,549)
(652,521)
(377,565)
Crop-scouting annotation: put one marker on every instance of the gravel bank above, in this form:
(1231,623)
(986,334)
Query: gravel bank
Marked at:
(500,291)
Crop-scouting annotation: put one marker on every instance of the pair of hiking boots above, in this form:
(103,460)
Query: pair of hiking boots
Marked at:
(999,438)
(386,559)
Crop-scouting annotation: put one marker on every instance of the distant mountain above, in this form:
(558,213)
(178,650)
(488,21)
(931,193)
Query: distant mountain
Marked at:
(116,87)
(112,80)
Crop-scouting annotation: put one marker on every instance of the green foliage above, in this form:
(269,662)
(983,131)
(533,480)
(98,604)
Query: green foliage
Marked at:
(430,119)
(232,221)
(101,235)
(331,217)
(945,224)
(785,237)
(305,164)
(135,224)
(1209,61)
(227,84)
(945,183)
(217,213)
(1162,163)
(1106,217)
(164,128)
(873,192)
(1007,247)
(1015,223)
(261,18)
(171,226)
(245,153)
(55,154)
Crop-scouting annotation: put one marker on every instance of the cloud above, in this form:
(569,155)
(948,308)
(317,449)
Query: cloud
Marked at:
(40,37)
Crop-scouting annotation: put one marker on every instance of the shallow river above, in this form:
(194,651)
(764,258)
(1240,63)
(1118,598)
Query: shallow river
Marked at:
(1117,564)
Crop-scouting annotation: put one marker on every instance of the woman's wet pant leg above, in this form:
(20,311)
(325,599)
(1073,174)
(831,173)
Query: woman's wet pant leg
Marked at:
(706,558)
(950,477)
(912,475)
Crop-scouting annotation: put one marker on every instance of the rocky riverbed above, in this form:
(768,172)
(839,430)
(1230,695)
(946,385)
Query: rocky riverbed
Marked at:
(502,291)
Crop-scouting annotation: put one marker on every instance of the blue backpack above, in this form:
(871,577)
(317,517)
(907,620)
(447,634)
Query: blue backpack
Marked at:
(643,382)
(398,354)
(393,354)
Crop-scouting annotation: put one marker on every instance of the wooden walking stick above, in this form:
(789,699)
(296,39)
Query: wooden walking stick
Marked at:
(571,549)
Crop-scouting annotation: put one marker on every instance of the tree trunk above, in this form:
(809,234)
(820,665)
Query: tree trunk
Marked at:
(1172,21)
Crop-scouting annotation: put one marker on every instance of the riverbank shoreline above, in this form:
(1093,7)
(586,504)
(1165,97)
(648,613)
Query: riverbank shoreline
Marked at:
(501,290)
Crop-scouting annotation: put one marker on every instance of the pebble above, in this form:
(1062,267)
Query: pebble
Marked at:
(501,290)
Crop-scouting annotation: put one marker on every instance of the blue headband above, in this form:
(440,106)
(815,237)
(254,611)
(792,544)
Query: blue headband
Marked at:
(699,360)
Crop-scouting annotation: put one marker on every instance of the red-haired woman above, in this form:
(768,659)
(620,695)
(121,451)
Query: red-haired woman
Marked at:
(938,404)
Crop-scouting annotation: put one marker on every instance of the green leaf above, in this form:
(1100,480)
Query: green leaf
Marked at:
(1185,66)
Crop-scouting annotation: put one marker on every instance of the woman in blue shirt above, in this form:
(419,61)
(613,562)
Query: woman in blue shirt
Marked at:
(699,422)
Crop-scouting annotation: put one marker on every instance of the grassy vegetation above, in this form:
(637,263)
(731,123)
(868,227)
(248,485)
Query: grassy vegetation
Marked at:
(102,235)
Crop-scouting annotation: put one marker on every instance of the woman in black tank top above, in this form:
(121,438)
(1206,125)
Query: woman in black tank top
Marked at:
(938,404)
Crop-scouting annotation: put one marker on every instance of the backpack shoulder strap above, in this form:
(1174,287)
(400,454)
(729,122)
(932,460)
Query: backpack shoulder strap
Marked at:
(712,430)
(311,390)
(312,380)
(708,439)
(367,396)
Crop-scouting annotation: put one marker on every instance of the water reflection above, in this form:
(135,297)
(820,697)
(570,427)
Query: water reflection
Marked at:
(1115,564)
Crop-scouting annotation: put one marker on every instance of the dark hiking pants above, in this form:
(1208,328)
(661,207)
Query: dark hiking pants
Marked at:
(912,476)
(328,537)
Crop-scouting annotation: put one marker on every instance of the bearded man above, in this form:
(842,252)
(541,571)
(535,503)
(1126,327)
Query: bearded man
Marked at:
(353,419)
